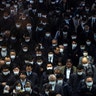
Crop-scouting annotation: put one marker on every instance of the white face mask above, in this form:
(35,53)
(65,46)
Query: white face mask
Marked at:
(27,40)
(28,89)
(8,63)
(40,1)
(4,53)
(12,56)
(28,27)
(18,25)
(74,46)
(47,92)
(4,49)
(31,1)
(50,55)
(89,84)
(13,38)
(31,62)
(6,73)
(38,54)
(79,73)
(16,73)
(49,68)
(85,65)
(47,34)
(39,63)
(60,82)
(88,43)
(65,45)
(85,54)
(18,88)
(5,17)
(61,50)
(25,50)
(52,82)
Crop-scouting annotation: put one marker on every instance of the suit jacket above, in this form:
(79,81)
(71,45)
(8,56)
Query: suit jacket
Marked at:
(85,91)
(33,77)
(63,71)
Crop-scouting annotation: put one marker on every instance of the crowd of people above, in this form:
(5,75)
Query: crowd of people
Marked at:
(47,47)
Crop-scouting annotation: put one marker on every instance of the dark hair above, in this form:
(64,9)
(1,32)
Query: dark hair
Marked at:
(80,67)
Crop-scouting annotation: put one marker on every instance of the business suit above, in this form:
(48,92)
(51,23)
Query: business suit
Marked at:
(74,82)
(64,69)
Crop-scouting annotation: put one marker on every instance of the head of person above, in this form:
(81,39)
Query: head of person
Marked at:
(69,63)
(12,54)
(38,53)
(89,81)
(25,48)
(29,67)
(85,53)
(39,61)
(7,60)
(18,87)
(22,75)
(54,42)
(80,70)
(49,68)
(85,62)
(16,70)
(56,50)
(28,87)
(57,70)
(61,48)
(52,79)
(5,70)
(59,78)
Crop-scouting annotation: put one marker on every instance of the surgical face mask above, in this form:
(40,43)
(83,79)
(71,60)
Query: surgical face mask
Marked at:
(31,62)
(18,25)
(39,14)
(65,45)
(4,49)
(6,73)
(85,54)
(52,82)
(82,48)
(13,38)
(49,68)
(89,84)
(27,40)
(28,89)
(28,27)
(23,18)
(16,73)
(47,92)
(25,50)
(88,42)
(40,1)
(38,54)
(8,63)
(5,17)
(50,55)
(12,56)
(79,73)
(85,65)
(54,45)
(61,50)
(31,1)
(74,45)
(73,37)
(60,82)
(39,63)
(47,34)
(18,87)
